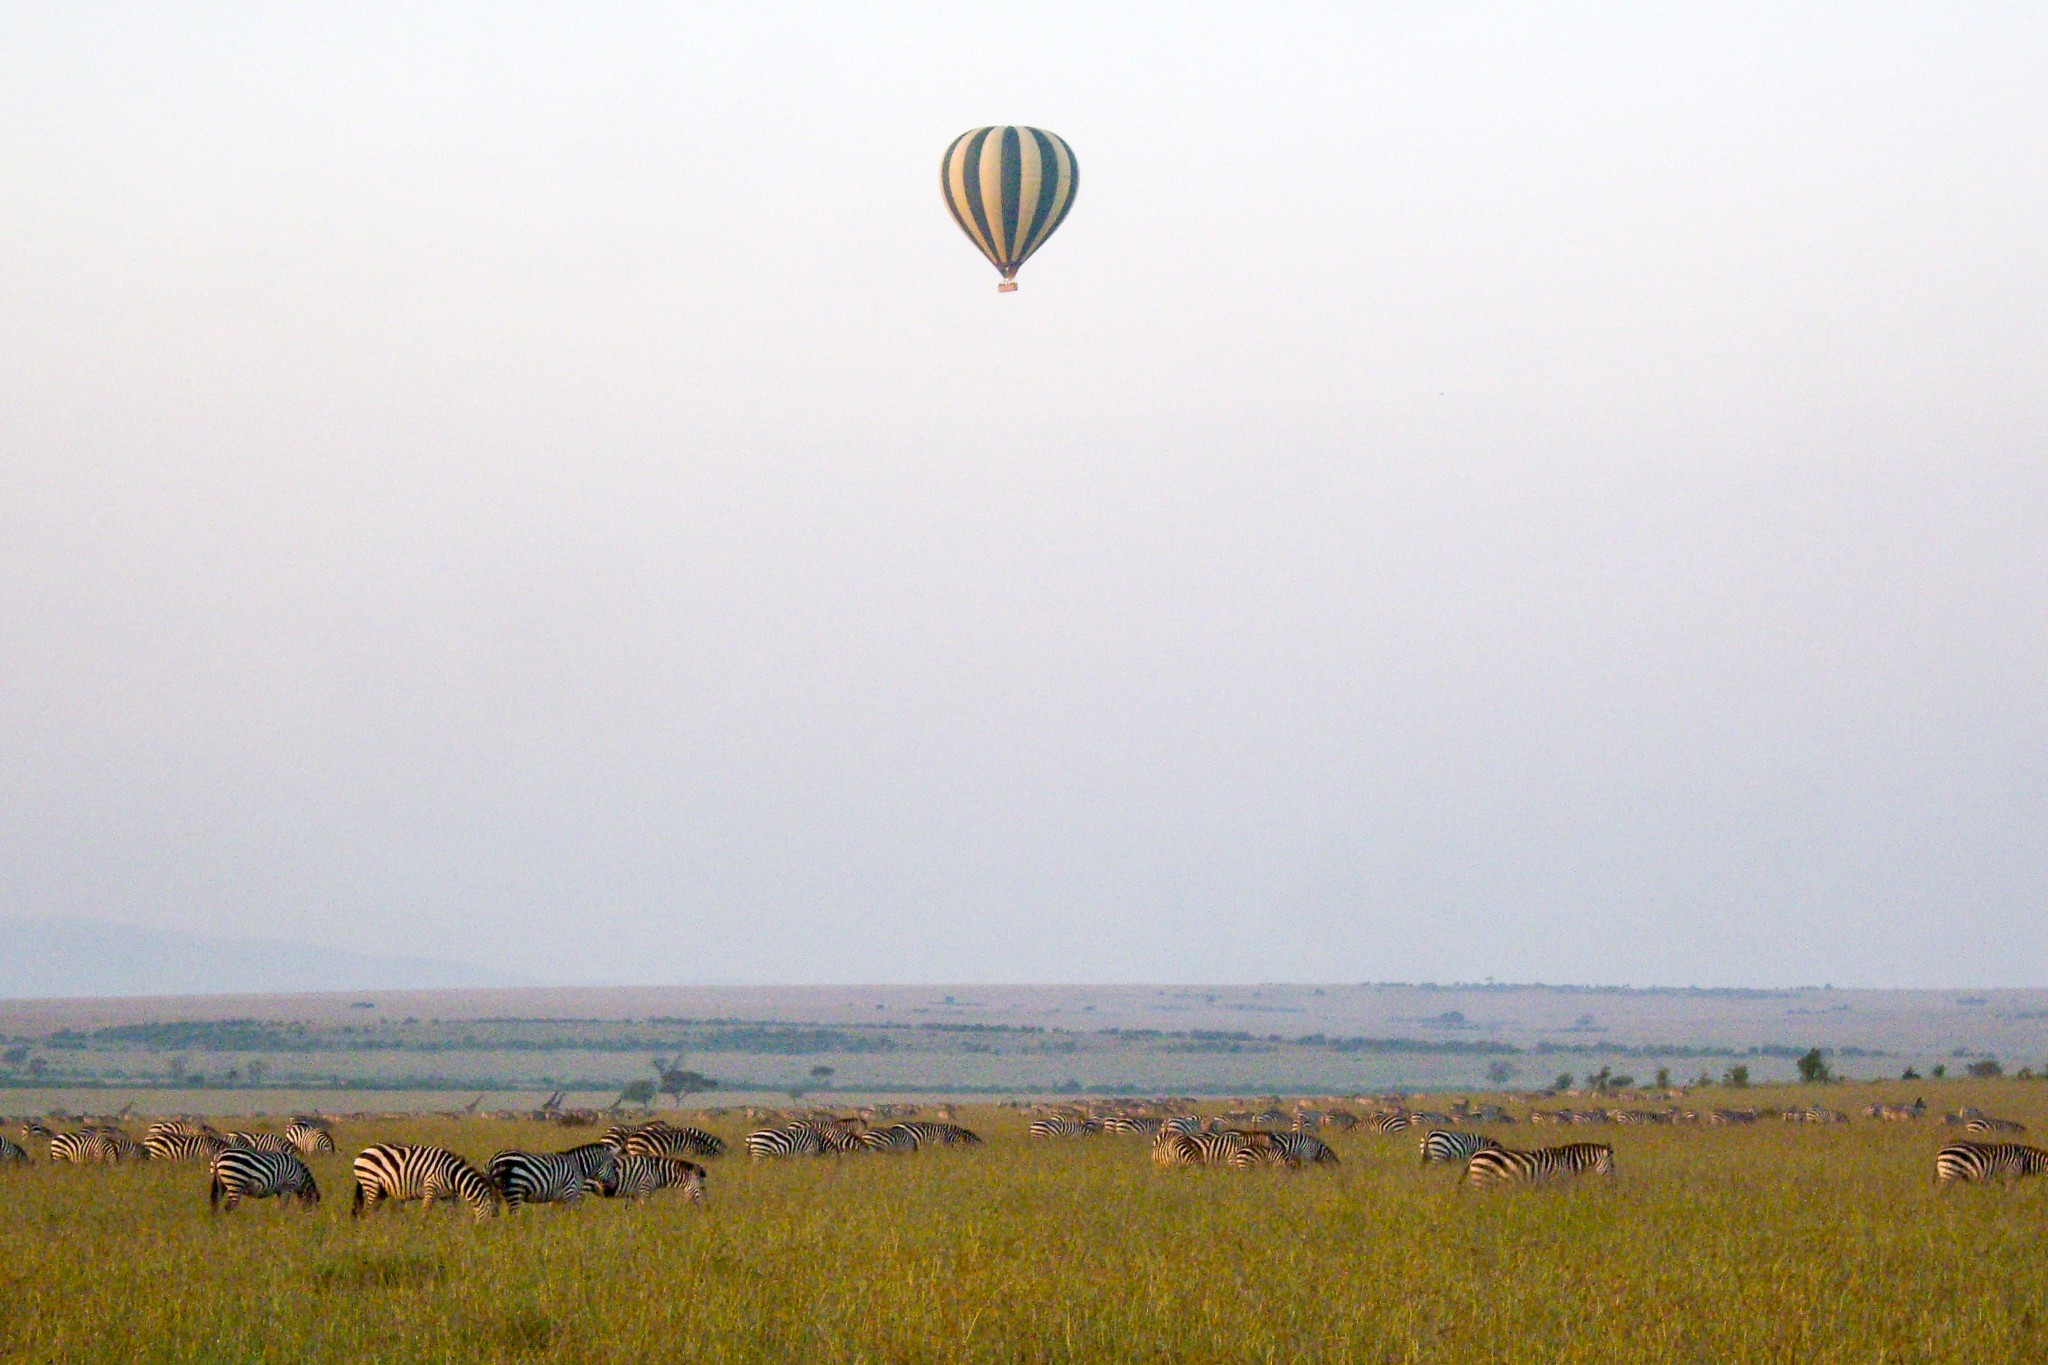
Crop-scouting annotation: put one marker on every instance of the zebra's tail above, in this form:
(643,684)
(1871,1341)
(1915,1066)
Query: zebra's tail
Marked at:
(213,1195)
(355,1208)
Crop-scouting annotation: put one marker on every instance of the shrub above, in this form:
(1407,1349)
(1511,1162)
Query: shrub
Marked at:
(1736,1077)
(1986,1069)
(1813,1068)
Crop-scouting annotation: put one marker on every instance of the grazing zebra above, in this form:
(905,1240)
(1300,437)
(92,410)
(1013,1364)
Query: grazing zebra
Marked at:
(941,1134)
(36,1128)
(1203,1149)
(309,1136)
(1059,1125)
(897,1137)
(1393,1123)
(1970,1161)
(95,1146)
(636,1177)
(1304,1149)
(12,1153)
(798,1139)
(178,1128)
(1991,1125)
(262,1142)
(663,1139)
(1185,1125)
(550,1177)
(1439,1144)
(251,1173)
(401,1172)
(179,1146)
(1502,1165)
(1265,1154)
(1127,1123)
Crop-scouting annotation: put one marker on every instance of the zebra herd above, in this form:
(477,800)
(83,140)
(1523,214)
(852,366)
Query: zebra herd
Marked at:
(635,1161)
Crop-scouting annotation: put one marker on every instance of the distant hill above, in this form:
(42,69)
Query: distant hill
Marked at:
(59,958)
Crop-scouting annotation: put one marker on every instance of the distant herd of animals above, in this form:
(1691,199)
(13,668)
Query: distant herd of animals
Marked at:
(635,1160)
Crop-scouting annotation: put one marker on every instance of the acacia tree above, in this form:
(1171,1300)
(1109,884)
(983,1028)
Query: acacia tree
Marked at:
(1813,1068)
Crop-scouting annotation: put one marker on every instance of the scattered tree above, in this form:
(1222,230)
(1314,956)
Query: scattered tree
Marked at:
(819,1073)
(678,1083)
(1986,1069)
(1499,1072)
(1937,1071)
(1663,1078)
(1813,1068)
(636,1092)
(1563,1081)
(1735,1077)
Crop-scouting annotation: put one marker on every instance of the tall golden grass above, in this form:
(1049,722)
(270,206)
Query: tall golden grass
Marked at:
(1767,1243)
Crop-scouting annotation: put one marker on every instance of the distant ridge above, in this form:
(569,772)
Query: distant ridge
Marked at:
(43,959)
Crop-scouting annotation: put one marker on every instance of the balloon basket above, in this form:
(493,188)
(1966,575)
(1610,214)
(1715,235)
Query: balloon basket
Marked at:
(1007,287)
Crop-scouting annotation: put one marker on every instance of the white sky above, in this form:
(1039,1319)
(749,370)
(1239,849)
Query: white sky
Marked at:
(1544,493)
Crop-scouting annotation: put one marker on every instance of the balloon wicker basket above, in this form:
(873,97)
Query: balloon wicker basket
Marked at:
(1007,287)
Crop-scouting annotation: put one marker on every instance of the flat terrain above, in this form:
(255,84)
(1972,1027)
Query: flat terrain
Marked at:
(518,1045)
(1768,1242)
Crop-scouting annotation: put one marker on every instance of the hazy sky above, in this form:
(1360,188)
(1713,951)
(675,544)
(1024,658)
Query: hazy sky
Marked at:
(1550,493)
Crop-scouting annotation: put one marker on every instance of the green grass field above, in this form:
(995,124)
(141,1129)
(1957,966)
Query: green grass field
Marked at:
(1776,1242)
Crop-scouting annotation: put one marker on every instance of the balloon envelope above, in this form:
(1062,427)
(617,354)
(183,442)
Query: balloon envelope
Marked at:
(1008,188)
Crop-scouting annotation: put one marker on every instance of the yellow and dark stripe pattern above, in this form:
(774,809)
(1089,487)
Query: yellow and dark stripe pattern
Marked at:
(1008,188)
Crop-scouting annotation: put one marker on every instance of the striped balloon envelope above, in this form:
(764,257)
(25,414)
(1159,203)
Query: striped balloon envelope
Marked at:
(1009,187)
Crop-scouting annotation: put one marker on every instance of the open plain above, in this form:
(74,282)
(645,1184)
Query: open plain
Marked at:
(1762,1241)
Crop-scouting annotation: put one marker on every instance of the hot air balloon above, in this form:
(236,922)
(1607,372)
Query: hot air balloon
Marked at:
(1009,187)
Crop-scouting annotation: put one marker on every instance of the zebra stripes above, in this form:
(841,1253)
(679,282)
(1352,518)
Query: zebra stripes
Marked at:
(1503,1165)
(402,1172)
(663,1139)
(1008,188)
(12,1153)
(550,1177)
(262,1142)
(1060,1125)
(797,1139)
(636,1177)
(250,1173)
(179,1146)
(1991,1125)
(1440,1144)
(1964,1162)
(308,1136)
(94,1147)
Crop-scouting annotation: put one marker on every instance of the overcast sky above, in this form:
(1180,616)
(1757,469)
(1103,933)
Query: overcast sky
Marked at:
(1552,494)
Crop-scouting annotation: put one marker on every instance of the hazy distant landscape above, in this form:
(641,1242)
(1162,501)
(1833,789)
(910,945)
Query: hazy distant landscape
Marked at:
(1007,1040)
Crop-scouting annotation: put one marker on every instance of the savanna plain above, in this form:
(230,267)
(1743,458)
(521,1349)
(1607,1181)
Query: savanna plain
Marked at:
(1772,1241)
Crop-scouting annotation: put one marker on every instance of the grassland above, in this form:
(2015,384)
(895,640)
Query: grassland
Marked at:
(1774,1242)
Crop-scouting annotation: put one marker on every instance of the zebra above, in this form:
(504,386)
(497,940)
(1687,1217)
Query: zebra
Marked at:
(309,1135)
(252,1173)
(1128,1123)
(95,1146)
(798,1139)
(1302,1148)
(636,1177)
(178,1128)
(928,1134)
(262,1142)
(36,1128)
(1059,1125)
(1186,1125)
(1393,1123)
(550,1177)
(897,1137)
(662,1139)
(1265,1154)
(1204,1149)
(1971,1161)
(184,1146)
(12,1153)
(1501,1165)
(1991,1125)
(1439,1144)
(402,1172)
